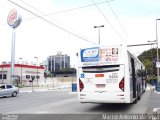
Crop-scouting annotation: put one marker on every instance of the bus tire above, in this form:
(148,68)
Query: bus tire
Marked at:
(135,101)
(139,97)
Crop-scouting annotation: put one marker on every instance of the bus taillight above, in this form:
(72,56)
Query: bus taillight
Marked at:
(81,85)
(121,84)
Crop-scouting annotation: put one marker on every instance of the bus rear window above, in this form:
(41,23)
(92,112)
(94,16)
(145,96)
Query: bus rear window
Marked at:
(100,69)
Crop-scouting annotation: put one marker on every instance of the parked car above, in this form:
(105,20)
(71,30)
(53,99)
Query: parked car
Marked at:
(8,90)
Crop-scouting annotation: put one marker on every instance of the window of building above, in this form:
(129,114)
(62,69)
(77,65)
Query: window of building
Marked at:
(4,76)
(27,76)
(37,77)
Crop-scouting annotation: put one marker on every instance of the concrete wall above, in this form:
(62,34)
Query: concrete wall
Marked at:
(55,82)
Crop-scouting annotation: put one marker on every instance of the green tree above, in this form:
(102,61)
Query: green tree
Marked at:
(148,58)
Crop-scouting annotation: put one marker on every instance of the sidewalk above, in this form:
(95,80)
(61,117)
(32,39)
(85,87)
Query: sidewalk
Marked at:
(50,84)
(154,104)
(44,88)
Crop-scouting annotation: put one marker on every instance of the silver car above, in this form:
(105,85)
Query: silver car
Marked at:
(8,90)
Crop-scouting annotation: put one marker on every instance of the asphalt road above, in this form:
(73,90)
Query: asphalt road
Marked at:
(59,105)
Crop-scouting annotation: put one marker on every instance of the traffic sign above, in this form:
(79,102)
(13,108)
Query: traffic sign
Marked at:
(158,64)
(14,18)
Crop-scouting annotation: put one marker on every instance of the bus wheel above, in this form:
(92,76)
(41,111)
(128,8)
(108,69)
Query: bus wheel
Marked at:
(135,101)
(139,97)
(138,93)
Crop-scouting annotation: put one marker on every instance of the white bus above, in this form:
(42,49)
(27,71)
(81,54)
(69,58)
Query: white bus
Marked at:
(109,74)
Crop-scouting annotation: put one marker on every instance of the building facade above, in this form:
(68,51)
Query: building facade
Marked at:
(23,74)
(58,62)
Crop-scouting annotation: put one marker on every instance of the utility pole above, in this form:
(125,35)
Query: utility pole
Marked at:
(99,32)
(152,41)
(157,52)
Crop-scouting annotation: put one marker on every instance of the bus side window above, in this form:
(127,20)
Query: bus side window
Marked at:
(144,73)
(139,73)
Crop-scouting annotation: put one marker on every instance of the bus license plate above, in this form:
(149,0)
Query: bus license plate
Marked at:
(100,85)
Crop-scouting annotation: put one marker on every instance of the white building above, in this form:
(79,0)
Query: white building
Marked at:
(23,74)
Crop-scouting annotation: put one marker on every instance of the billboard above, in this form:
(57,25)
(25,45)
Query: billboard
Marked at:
(104,55)
(90,54)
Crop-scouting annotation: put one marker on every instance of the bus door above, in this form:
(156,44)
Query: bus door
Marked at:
(133,77)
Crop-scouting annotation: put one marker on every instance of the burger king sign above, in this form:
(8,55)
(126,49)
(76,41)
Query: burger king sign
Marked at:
(14,19)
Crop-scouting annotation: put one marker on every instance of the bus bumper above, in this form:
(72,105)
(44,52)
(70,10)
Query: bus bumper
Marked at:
(102,97)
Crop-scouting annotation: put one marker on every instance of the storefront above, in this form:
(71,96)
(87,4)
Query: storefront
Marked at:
(23,74)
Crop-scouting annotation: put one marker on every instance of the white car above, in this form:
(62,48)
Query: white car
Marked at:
(8,90)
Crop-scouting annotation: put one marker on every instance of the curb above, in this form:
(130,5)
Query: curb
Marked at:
(44,90)
(73,92)
(156,92)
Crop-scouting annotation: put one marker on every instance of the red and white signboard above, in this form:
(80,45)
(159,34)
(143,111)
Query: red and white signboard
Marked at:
(14,19)
(158,64)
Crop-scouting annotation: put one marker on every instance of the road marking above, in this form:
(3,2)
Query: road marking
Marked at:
(155,110)
(41,112)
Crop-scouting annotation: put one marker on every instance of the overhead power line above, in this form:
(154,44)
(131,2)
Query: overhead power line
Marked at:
(72,9)
(51,22)
(141,44)
(59,12)
(117,19)
(108,21)
(63,11)
(31,6)
(81,7)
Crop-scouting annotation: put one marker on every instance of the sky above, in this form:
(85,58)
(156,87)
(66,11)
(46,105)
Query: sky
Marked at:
(68,25)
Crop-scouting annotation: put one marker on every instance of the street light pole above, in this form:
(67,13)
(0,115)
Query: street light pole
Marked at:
(157,51)
(152,41)
(21,70)
(2,74)
(99,32)
(37,70)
